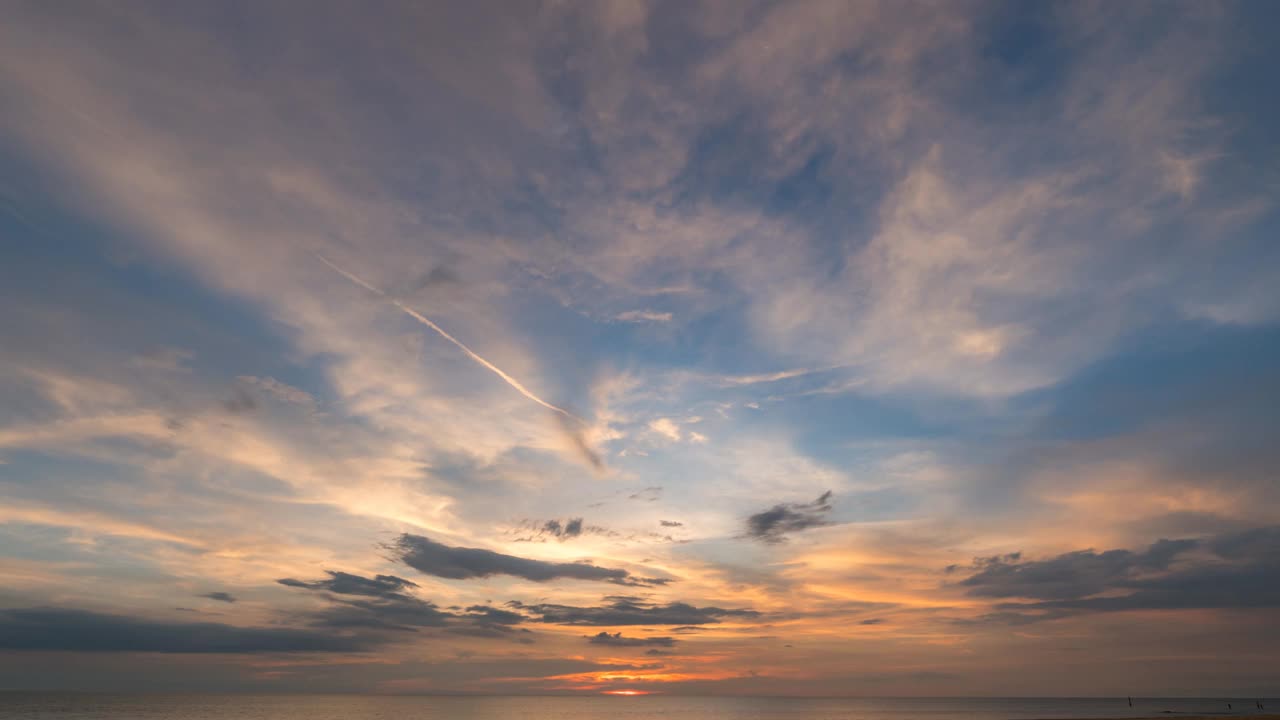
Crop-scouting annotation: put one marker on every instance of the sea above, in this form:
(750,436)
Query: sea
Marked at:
(87,706)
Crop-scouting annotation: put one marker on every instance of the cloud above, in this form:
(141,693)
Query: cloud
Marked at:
(790,194)
(404,614)
(494,616)
(740,380)
(86,631)
(666,427)
(772,525)
(574,432)
(632,611)
(649,494)
(381,602)
(282,391)
(642,316)
(1071,575)
(383,586)
(571,528)
(219,596)
(1232,570)
(671,523)
(617,640)
(560,530)
(384,602)
(240,403)
(459,563)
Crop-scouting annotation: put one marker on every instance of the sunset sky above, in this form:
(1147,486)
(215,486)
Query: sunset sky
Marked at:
(812,348)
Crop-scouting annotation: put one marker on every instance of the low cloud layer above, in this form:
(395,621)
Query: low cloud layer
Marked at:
(1231,570)
(618,640)
(620,611)
(385,602)
(86,631)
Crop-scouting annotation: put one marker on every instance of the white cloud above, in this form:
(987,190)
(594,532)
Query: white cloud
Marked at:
(666,427)
(640,316)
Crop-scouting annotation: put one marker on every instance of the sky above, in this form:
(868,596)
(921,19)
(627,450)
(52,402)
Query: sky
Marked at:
(800,348)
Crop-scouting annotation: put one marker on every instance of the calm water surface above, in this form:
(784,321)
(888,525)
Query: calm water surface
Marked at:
(77,706)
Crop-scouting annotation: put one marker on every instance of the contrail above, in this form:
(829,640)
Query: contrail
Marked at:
(470,353)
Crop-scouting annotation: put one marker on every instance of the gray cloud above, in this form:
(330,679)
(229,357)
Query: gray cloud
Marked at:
(648,494)
(219,596)
(1070,575)
(1232,570)
(494,616)
(772,525)
(571,528)
(440,275)
(672,523)
(383,586)
(239,403)
(394,614)
(621,610)
(617,640)
(571,429)
(86,631)
(459,563)
(560,530)
(384,602)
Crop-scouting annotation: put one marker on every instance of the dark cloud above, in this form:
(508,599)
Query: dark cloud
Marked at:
(384,602)
(1071,575)
(494,616)
(872,621)
(239,403)
(567,530)
(983,562)
(672,523)
(439,275)
(387,614)
(85,631)
(383,586)
(572,431)
(617,640)
(772,525)
(1232,570)
(649,494)
(459,563)
(632,611)
(219,596)
(571,528)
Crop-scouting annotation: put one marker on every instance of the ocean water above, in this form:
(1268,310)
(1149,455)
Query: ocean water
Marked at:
(85,706)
